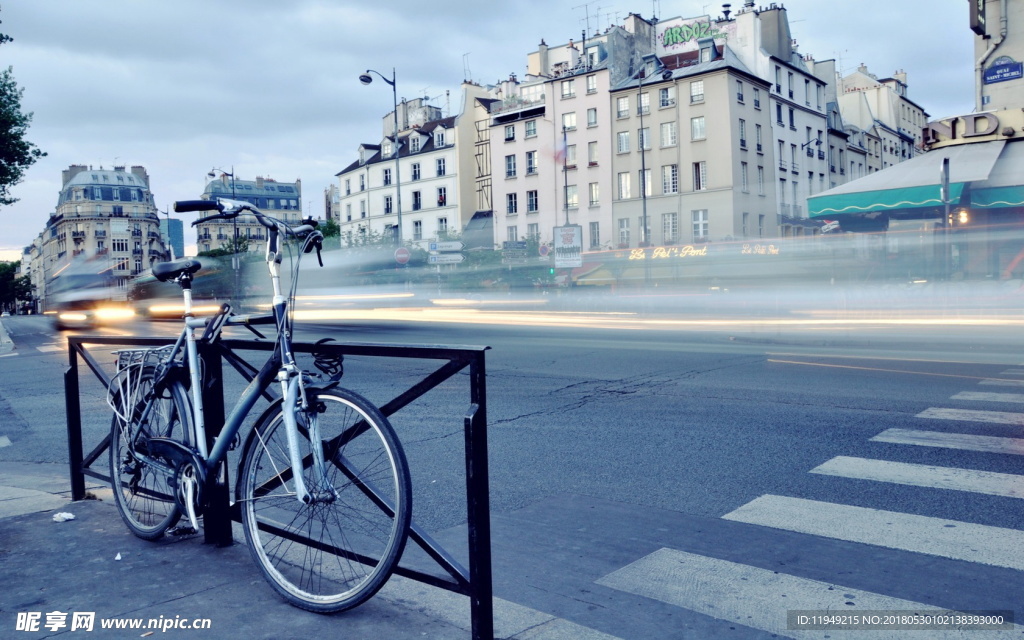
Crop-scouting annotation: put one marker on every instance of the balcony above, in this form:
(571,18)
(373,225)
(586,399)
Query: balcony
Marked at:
(100,234)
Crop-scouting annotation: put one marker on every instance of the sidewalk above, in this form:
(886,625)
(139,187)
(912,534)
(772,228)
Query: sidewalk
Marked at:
(92,564)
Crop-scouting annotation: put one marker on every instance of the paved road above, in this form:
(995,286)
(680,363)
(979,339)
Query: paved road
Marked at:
(683,484)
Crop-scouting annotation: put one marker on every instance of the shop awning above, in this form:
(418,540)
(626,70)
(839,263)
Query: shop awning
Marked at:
(913,184)
(1005,184)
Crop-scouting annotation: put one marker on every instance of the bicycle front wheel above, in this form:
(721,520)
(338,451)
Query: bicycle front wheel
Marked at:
(144,492)
(335,552)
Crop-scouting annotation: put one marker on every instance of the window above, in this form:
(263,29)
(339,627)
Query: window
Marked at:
(757,98)
(387,177)
(595,193)
(697,91)
(414,143)
(512,233)
(510,132)
(669,227)
(668,134)
(792,119)
(572,198)
(415,171)
(670,178)
(362,208)
(442,226)
(700,224)
(387,205)
(595,235)
(442,166)
(510,166)
(442,196)
(757,131)
(622,141)
(778,113)
(570,156)
(697,131)
(592,117)
(700,176)
(417,201)
(622,107)
(386,150)
(362,182)
(439,138)
(623,232)
(739,91)
(591,84)
(569,121)
(624,190)
(666,96)
(645,181)
(532,201)
(643,104)
(746,221)
(760,181)
(568,88)
(743,133)
(511,203)
(531,128)
(743,177)
(644,138)
(592,154)
(417,230)
(533,230)
(531,163)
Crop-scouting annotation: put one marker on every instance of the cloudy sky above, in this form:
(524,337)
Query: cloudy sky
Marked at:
(270,87)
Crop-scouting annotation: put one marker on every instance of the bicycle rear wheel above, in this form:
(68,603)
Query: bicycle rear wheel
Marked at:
(144,495)
(333,554)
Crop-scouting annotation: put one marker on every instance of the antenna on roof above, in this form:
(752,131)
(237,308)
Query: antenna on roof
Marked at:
(465,68)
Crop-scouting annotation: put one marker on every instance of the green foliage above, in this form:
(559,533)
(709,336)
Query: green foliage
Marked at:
(16,153)
(13,288)
(229,248)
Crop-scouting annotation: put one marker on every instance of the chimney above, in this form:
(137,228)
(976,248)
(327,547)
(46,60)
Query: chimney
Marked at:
(259,182)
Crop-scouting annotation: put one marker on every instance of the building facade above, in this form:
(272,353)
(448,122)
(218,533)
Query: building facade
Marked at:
(282,200)
(104,215)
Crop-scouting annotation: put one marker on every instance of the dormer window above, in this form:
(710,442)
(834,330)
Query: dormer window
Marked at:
(439,138)
(386,150)
(414,144)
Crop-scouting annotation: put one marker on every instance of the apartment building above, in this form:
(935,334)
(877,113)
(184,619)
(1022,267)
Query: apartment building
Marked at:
(282,200)
(105,215)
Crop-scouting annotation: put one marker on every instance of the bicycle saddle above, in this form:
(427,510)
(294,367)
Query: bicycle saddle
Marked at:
(164,271)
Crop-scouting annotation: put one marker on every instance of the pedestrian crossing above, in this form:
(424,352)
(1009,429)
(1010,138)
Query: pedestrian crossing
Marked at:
(751,595)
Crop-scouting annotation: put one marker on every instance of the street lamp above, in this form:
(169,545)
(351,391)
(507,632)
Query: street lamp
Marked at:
(666,74)
(234,229)
(366,78)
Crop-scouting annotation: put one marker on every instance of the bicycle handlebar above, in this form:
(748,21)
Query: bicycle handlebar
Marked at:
(184,206)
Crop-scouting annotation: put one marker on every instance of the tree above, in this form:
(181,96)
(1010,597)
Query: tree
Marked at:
(16,153)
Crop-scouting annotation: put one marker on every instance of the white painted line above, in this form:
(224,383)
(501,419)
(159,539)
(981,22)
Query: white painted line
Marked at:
(965,441)
(1002,383)
(921,534)
(921,475)
(759,598)
(973,415)
(1012,372)
(4,442)
(983,396)
(8,355)
(47,348)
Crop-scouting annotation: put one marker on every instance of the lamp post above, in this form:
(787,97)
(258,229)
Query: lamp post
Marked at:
(366,78)
(234,230)
(645,240)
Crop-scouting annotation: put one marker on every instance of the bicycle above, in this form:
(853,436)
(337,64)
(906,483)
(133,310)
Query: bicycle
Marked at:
(323,484)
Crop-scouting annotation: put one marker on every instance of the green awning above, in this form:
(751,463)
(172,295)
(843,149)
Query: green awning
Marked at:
(1004,186)
(913,184)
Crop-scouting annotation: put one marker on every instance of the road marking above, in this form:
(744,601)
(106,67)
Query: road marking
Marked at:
(921,475)
(965,441)
(8,355)
(973,415)
(45,348)
(998,382)
(984,396)
(755,597)
(979,543)
(4,442)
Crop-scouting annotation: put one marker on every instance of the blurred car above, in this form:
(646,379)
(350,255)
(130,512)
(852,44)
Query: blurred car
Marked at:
(82,294)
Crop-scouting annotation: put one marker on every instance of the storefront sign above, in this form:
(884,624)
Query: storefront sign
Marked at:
(760,249)
(974,127)
(978,16)
(662,253)
(1003,68)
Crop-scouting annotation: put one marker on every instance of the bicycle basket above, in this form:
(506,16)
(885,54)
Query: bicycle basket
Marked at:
(134,366)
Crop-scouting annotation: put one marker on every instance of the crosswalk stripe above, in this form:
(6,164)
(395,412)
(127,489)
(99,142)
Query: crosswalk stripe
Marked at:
(965,441)
(967,541)
(973,415)
(48,348)
(750,596)
(999,382)
(1012,372)
(984,396)
(921,475)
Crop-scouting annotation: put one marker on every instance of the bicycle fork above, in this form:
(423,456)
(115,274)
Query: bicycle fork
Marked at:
(294,400)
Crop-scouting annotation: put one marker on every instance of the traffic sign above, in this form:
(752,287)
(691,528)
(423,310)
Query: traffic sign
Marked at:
(450,245)
(402,255)
(445,258)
